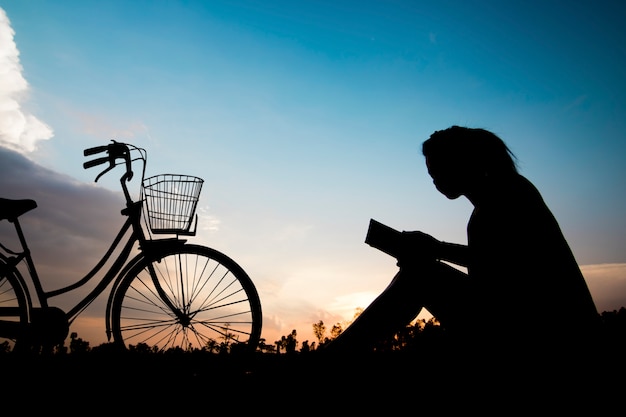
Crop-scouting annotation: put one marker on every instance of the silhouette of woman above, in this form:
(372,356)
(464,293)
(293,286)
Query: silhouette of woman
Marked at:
(523,284)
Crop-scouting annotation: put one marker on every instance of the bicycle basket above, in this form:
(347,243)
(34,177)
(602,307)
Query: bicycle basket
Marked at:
(171,202)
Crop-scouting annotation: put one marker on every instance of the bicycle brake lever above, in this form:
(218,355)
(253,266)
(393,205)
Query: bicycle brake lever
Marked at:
(111,166)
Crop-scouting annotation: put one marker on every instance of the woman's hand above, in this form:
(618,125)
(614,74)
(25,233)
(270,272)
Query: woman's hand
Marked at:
(418,247)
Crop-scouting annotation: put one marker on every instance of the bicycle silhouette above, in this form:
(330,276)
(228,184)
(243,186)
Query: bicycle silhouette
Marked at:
(165,293)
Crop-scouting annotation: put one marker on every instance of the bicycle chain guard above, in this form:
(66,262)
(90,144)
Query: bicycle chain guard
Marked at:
(49,326)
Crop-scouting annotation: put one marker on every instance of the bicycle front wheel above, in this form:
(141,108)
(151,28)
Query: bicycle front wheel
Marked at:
(191,297)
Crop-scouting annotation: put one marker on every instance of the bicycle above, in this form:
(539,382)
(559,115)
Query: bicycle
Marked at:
(166,293)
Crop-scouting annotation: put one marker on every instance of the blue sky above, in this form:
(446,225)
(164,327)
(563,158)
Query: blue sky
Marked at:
(305,119)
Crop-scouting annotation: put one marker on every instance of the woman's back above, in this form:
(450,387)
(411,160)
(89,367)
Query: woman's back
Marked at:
(523,264)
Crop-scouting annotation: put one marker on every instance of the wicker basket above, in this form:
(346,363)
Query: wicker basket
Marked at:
(171,202)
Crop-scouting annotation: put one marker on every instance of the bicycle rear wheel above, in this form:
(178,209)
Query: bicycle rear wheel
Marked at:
(13,310)
(211,303)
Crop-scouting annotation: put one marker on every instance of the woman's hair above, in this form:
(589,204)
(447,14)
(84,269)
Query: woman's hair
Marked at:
(478,148)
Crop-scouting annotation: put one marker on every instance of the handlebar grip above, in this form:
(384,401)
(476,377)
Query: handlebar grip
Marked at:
(95,150)
(95,162)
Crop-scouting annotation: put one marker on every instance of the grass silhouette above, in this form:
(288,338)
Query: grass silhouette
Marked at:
(434,375)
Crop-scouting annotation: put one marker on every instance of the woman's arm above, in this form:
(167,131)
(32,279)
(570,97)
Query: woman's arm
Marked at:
(454,252)
(420,245)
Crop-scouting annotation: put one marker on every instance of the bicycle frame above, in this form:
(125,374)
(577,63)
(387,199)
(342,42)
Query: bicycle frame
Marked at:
(136,239)
(118,264)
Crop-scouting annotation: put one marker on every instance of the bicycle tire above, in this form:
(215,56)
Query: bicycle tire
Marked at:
(217,304)
(12,296)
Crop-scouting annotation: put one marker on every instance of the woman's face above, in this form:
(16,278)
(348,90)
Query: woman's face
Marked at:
(447,176)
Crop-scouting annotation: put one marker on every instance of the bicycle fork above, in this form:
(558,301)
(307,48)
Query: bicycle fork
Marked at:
(183,319)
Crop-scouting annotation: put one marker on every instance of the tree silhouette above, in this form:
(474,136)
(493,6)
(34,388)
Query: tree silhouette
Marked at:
(264,347)
(212,346)
(306,347)
(335,331)
(319,330)
(289,343)
(78,345)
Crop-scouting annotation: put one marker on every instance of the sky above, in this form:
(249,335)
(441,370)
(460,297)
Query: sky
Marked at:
(305,119)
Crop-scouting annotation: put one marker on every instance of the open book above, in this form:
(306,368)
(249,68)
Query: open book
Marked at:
(384,238)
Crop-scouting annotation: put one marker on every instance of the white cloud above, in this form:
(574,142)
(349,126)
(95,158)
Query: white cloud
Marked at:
(19,130)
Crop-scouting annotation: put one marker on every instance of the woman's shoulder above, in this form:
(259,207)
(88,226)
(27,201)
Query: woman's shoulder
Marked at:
(523,188)
(528,202)
(516,195)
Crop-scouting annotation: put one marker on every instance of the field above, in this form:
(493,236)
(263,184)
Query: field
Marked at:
(442,379)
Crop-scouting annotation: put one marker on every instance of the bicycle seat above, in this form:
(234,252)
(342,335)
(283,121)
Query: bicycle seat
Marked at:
(12,209)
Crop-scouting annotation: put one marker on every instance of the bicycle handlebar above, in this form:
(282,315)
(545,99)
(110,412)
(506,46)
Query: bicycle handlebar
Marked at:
(96,162)
(115,151)
(95,150)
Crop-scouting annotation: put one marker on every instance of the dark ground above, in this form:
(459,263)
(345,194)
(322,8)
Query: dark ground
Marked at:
(442,380)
